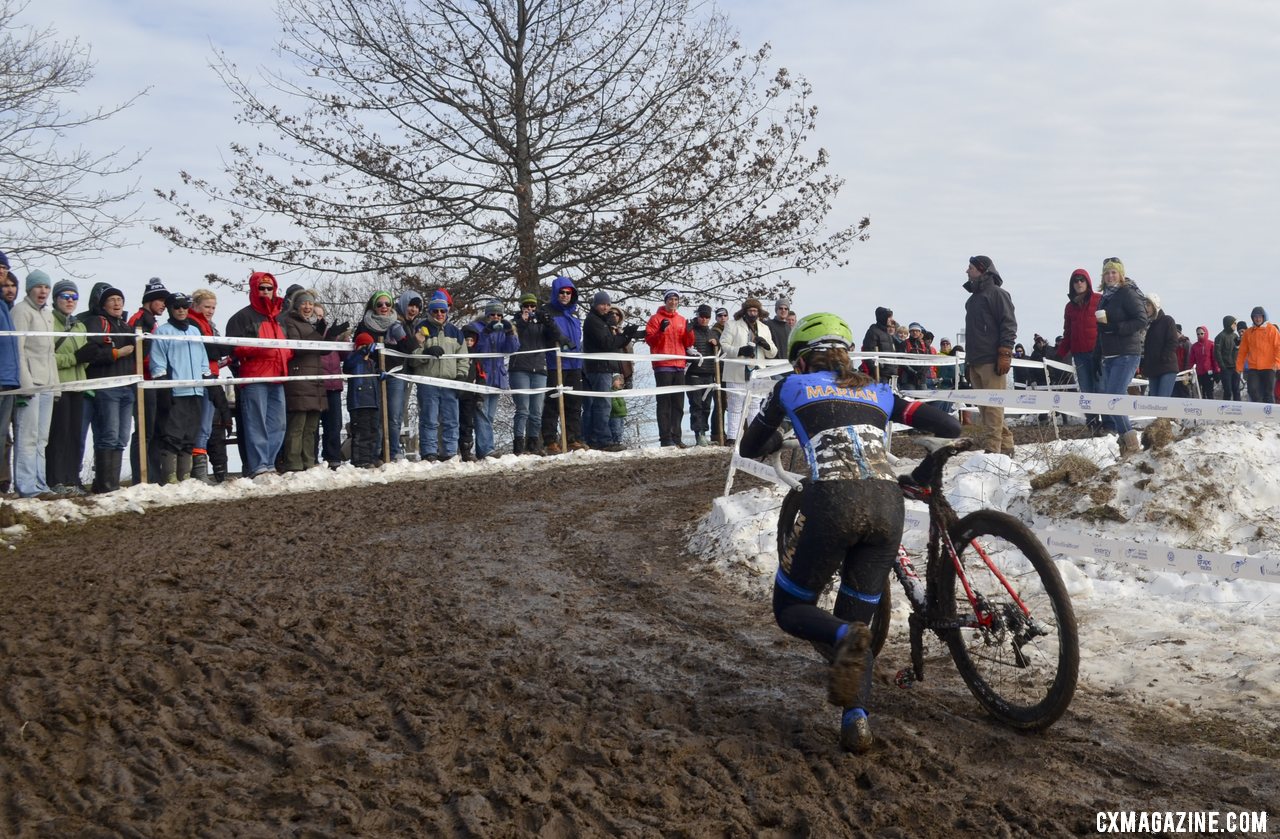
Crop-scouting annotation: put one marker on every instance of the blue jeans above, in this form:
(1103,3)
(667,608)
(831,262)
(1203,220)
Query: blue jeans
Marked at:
(206,422)
(112,418)
(595,411)
(30,443)
(397,390)
(1117,372)
(486,410)
(1161,385)
(331,427)
(437,406)
(616,425)
(263,413)
(1086,374)
(528,422)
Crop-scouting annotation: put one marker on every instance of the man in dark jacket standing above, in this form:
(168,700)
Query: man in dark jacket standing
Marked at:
(991,330)
(879,338)
(1225,347)
(779,325)
(262,404)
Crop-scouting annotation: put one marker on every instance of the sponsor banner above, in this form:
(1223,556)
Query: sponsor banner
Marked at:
(1108,403)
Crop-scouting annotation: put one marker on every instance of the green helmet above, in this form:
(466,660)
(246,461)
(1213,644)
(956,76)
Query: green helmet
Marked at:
(818,331)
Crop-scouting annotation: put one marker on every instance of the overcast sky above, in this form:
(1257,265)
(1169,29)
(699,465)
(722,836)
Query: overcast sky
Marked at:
(1045,135)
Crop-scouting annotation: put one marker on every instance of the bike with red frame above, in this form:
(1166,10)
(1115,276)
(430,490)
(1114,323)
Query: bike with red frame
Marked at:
(990,591)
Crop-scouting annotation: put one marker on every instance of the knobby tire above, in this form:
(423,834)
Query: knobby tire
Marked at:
(1022,679)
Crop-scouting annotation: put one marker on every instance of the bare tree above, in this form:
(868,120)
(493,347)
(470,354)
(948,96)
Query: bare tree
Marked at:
(52,196)
(494,143)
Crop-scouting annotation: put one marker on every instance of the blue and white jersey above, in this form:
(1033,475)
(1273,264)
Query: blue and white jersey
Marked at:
(843,430)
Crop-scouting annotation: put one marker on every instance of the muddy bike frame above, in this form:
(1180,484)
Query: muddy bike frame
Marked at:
(925,485)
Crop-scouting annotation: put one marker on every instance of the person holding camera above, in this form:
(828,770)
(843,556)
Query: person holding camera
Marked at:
(600,336)
(746,338)
(667,333)
(496,335)
(528,371)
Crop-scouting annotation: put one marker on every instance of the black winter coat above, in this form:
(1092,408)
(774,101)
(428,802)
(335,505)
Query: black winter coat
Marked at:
(989,320)
(1126,325)
(1159,351)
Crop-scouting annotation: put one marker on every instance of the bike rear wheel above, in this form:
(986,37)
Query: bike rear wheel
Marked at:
(1017,647)
(884,611)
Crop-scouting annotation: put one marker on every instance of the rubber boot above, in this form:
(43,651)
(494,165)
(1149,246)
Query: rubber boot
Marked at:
(168,468)
(517,445)
(100,471)
(113,464)
(184,465)
(200,468)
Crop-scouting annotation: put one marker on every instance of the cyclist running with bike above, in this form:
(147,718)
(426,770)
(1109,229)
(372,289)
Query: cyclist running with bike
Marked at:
(851,510)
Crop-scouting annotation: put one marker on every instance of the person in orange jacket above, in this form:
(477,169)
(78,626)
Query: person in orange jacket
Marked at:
(668,333)
(1259,356)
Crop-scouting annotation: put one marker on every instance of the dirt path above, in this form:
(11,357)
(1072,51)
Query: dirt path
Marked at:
(493,658)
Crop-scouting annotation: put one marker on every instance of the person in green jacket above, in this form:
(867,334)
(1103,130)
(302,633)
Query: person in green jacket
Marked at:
(65,451)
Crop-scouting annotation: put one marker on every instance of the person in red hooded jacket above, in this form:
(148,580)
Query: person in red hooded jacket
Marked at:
(261,404)
(1205,362)
(1080,336)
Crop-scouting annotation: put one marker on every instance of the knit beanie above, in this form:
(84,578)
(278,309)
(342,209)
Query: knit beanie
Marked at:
(782,301)
(722,312)
(364,339)
(493,307)
(1153,299)
(4,260)
(704,311)
(915,325)
(982,263)
(155,290)
(669,293)
(37,278)
(301,296)
(601,297)
(437,304)
(1116,264)
(64,285)
(529,299)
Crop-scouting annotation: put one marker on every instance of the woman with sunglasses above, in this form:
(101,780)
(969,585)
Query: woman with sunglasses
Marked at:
(65,451)
(261,405)
(383,323)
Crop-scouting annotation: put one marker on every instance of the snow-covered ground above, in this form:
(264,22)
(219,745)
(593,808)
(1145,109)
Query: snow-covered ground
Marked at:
(1189,641)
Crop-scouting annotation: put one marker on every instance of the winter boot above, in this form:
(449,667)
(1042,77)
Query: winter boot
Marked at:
(112,460)
(185,460)
(100,471)
(699,438)
(200,468)
(1129,443)
(533,445)
(168,468)
(517,445)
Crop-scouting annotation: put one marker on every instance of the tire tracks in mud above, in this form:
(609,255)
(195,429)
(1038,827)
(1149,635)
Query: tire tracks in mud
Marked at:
(506,656)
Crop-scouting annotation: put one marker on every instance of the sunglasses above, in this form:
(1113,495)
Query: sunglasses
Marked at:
(382,304)
(529,306)
(266,288)
(68,296)
(565,291)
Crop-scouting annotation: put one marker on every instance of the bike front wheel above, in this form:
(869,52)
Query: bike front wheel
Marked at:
(1014,637)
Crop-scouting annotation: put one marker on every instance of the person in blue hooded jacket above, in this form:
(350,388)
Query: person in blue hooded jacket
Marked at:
(9,378)
(562,310)
(497,335)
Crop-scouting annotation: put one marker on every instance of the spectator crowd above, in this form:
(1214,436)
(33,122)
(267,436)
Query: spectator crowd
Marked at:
(70,368)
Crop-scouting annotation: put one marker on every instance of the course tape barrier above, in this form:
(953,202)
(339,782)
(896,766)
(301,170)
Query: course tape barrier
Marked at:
(1155,556)
(1107,403)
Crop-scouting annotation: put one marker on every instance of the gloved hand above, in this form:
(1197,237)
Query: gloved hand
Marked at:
(20,402)
(747,352)
(693,351)
(1004,360)
(565,346)
(510,327)
(761,343)
(497,326)
(713,343)
(382,376)
(662,327)
(434,352)
(333,332)
(631,331)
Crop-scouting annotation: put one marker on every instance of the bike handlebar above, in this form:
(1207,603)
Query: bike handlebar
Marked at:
(930,469)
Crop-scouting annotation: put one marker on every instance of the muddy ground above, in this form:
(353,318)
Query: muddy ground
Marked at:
(484,657)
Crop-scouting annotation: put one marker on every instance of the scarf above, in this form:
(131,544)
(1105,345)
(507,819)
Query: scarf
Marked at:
(377,323)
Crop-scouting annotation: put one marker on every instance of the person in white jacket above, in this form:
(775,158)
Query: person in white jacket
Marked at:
(746,338)
(37,368)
